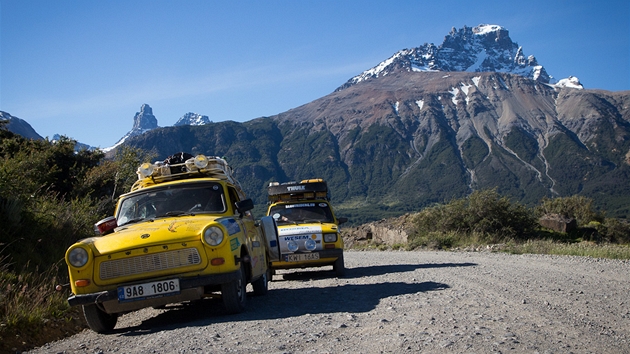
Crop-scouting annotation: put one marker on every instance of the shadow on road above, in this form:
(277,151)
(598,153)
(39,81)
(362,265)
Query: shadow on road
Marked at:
(360,272)
(284,303)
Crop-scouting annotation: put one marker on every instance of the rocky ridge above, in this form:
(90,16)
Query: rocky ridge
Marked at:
(484,48)
(19,126)
(193,119)
(143,122)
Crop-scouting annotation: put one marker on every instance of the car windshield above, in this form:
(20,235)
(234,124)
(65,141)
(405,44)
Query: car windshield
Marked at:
(302,212)
(172,201)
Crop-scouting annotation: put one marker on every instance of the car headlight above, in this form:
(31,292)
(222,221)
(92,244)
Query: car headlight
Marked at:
(78,257)
(330,237)
(310,244)
(292,246)
(213,236)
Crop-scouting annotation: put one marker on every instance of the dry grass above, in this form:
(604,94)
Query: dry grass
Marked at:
(583,249)
(32,312)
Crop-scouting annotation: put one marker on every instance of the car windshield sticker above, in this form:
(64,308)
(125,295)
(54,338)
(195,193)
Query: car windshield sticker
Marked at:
(304,205)
(300,230)
(231,225)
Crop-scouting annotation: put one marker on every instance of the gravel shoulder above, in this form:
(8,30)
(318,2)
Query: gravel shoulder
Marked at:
(399,302)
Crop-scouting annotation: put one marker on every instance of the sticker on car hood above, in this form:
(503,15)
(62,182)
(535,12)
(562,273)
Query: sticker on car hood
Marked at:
(292,230)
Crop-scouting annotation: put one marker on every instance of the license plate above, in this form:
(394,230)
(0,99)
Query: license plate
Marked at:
(147,290)
(302,257)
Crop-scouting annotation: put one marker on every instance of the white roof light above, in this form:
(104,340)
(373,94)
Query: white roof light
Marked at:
(145,170)
(201,161)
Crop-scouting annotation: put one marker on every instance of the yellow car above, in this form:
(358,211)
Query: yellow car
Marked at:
(308,230)
(184,232)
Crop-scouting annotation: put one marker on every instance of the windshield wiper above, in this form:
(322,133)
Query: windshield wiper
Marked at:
(177,213)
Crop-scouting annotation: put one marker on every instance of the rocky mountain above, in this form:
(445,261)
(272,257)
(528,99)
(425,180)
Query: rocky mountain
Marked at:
(425,126)
(431,124)
(192,119)
(143,122)
(408,139)
(77,147)
(19,126)
(484,48)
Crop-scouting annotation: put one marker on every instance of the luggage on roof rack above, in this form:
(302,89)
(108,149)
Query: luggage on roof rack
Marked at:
(177,168)
(303,190)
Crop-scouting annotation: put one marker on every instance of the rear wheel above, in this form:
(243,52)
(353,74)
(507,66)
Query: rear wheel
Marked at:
(339,267)
(234,293)
(98,320)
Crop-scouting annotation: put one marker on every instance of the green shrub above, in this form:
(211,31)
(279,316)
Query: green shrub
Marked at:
(577,207)
(50,197)
(614,231)
(484,216)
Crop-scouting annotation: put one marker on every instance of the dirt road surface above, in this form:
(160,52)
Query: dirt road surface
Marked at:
(399,302)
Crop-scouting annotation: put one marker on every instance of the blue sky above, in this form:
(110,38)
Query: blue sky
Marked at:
(84,68)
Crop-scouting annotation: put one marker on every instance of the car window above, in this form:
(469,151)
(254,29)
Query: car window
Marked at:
(180,199)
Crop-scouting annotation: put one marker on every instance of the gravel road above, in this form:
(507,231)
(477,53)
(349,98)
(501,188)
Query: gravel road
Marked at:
(399,302)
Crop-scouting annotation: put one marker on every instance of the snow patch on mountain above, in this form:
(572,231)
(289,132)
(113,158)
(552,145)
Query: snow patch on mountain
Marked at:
(570,82)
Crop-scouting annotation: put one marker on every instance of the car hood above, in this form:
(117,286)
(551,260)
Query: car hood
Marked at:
(149,233)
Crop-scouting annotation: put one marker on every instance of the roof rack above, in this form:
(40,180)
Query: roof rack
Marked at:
(304,190)
(196,167)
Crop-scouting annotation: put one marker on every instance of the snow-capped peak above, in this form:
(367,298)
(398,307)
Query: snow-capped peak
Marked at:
(193,119)
(484,48)
(143,121)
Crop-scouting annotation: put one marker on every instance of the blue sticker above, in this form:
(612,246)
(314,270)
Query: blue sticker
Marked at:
(234,243)
(231,225)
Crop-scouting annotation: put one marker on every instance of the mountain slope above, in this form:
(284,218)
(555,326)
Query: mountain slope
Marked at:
(425,126)
(20,126)
(409,139)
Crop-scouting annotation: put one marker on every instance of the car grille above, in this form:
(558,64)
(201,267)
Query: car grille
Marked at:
(149,263)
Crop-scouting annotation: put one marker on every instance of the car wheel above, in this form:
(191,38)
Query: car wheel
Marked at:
(339,267)
(261,285)
(234,293)
(98,320)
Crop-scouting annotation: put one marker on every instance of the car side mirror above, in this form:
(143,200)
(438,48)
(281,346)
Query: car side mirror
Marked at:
(106,226)
(244,205)
(342,220)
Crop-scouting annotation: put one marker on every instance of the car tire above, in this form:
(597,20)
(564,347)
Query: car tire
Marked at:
(234,293)
(261,285)
(98,320)
(339,267)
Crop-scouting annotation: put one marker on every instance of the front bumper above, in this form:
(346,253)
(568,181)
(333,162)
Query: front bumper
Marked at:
(185,284)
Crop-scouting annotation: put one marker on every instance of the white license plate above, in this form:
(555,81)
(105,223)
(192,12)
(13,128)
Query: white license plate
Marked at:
(302,257)
(147,290)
